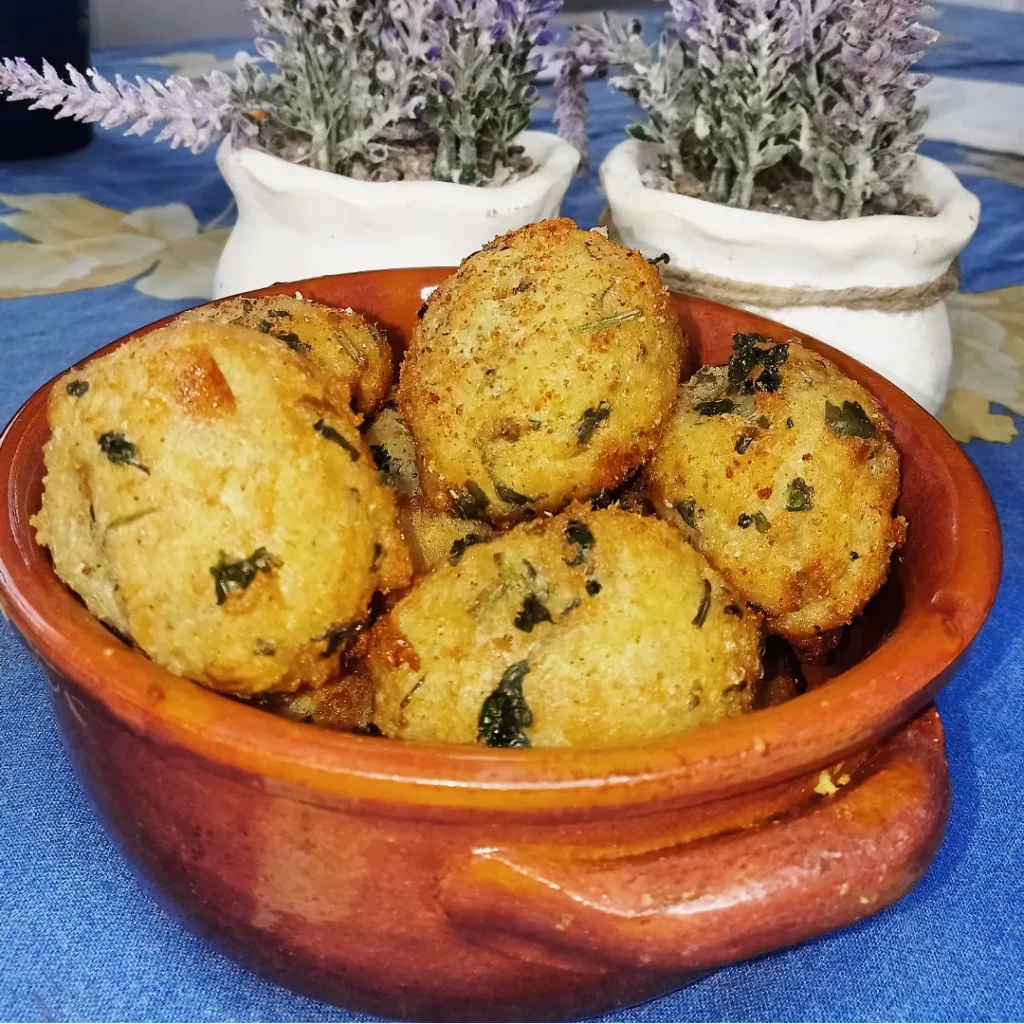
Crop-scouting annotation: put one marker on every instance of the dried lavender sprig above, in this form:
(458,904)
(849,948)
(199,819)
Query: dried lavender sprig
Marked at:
(192,116)
(571,105)
(482,76)
(657,78)
(875,123)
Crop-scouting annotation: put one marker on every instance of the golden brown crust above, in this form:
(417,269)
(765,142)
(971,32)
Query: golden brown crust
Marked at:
(623,627)
(205,498)
(542,371)
(796,515)
(350,351)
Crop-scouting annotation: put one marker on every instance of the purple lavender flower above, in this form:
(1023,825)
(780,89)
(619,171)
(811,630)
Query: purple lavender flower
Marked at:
(571,105)
(191,116)
(484,73)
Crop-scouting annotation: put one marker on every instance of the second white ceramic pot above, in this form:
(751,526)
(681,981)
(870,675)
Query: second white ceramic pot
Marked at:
(296,222)
(912,349)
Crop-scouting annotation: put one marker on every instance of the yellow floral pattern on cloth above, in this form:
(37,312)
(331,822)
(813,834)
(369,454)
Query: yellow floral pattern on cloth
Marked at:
(74,243)
(988,364)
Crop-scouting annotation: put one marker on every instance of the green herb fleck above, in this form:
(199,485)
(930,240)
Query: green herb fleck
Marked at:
(705,605)
(718,407)
(131,517)
(120,450)
(743,443)
(591,420)
(744,520)
(459,545)
(799,496)
(608,321)
(505,713)
(757,355)
(523,286)
(408,697)
(77,388)
(579,536)
(264,649)
(532,612)
(328,433)
(265,326)
(733,609)
(381,458)
(688,511)
(337,636)
(470,502)
(593,588)
(280,314)
(849,421)
(231,576)
(509,496)
(293,341)
(761,522)
(789,422)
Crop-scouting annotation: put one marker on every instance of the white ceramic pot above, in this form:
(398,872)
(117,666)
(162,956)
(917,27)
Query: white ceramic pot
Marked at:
(296,222)
(914,350)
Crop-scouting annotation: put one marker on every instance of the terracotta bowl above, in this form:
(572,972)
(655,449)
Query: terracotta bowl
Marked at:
(446,883)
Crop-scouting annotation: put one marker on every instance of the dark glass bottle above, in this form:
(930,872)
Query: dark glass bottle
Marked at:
(53,30)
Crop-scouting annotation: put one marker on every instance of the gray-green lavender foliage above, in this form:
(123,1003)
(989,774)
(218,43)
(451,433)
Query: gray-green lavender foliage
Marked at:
(736,88)
(374,88)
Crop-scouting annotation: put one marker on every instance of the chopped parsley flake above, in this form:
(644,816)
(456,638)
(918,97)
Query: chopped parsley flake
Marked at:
(505,713)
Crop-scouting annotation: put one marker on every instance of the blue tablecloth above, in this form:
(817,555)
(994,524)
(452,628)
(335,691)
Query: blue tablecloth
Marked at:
(79,937)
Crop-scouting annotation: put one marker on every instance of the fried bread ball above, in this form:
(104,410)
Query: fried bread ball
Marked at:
(206,500)
(433,537)
(591,627)
(352,353)
(543,370)
(783,472)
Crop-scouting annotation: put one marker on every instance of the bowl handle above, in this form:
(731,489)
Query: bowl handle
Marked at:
(712,901)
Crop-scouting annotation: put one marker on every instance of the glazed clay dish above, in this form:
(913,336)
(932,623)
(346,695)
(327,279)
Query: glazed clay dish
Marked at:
(464,882)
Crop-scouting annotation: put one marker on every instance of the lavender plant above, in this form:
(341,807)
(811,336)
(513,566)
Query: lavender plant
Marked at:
(378,89)
(483,82)
(740,92)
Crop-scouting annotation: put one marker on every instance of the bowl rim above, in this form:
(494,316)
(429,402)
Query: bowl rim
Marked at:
(877,694)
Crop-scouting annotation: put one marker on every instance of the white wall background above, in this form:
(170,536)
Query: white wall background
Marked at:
(122,22)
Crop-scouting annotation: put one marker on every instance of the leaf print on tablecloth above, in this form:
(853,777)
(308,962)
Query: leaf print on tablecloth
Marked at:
(77,244)
(193,64)
(982,164)
(988,364)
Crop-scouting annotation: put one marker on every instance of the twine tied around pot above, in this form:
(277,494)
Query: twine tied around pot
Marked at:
(898,299)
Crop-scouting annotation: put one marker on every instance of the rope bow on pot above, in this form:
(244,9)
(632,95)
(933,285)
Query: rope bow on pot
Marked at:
(894,299)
